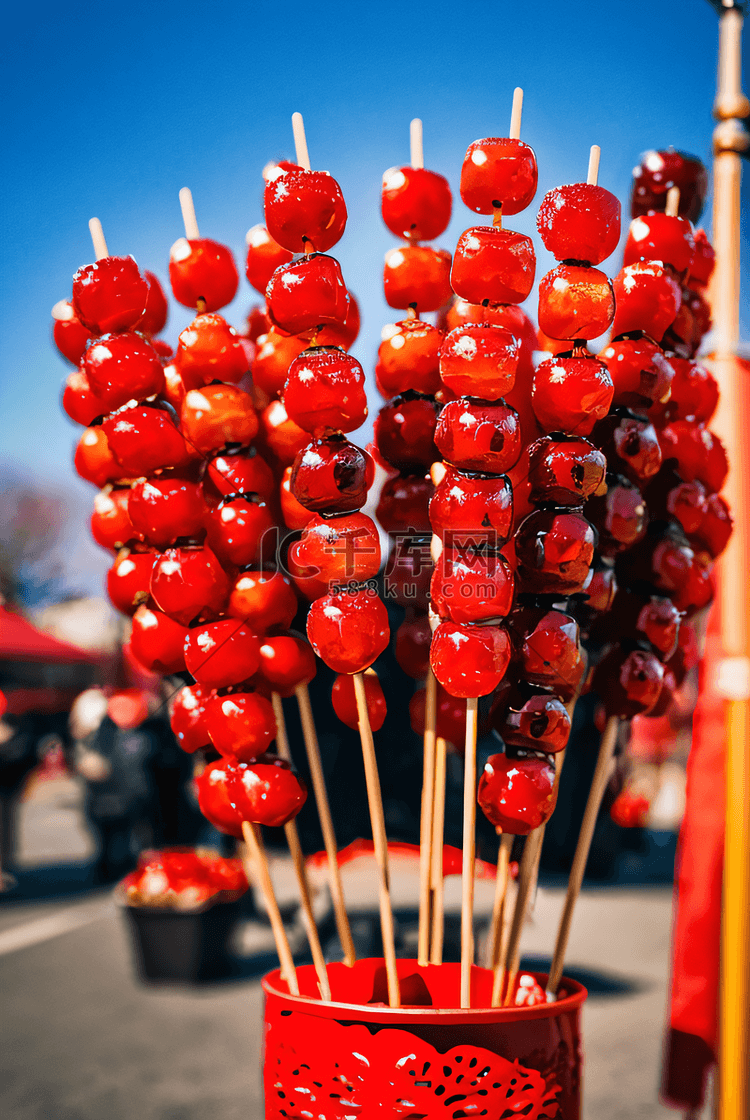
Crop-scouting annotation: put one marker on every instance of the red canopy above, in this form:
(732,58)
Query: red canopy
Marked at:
(20,641)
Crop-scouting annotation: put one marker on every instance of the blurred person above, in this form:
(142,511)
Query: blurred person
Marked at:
(18,757)
(110,755)
(135,776)
(175,817)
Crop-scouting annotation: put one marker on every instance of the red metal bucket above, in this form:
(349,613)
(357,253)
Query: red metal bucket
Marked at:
(357,1059)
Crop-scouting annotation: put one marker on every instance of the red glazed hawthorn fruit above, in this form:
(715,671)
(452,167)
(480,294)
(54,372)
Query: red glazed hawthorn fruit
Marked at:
(498,172)
(189,583)
(129,580)
(580,222)
(217,415)
(157,310)
(306,294)
(660,237)
(94,460)
(554,550)
(110,295)
(331,475)
(222,653)
(209,349)
(70,335)
(571,394)
(517,793)
(476,436)
(345,703)
(111,524)
(281,435)
(165,509)
(348,630)
(286,663)
(325,390)
(157,641)
(575,302)
(493,264)
(214,798)
(241,724)
(187,717)
(236,528)
(264,256)
(408,358)
(122,367)
(201,269)
(479,360)
(476,507)
(79,401)
(243,473)
(474,590)
(405,433)
(267,791)
(540,723)
(145,439)
(469,660)
(417,275)
(265,600)
(565,470)
(647,298)
(304,207)
(415,203)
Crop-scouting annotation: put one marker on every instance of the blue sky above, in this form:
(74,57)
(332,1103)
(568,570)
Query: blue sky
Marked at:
(110,109)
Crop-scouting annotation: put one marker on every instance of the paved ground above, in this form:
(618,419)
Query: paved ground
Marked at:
(81,1040)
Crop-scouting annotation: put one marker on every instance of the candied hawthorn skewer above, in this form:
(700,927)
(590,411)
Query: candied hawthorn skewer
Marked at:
(564,469)
(416,204)
(628,679)
(347,630)
(470,652)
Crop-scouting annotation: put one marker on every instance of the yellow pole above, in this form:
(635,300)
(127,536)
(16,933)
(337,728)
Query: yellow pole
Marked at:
(730,141)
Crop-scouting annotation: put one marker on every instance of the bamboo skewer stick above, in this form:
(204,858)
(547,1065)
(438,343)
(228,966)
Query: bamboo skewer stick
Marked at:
(602,775)
(252,837)
(514,132)
(326,824)
(494,936)
(469,851)
(97,236)
(672,207)
(437,881)
(425,831)
(527,875)
(298,859)
(189,219)
(416,144)
(377,820)
(300,141)
(595,153)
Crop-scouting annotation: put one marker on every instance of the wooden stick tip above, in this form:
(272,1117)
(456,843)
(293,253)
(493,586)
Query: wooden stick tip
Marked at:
(97,237)
(673,202)
(189,220)
(515,114)
(416,143)
(593,173)
(300,141)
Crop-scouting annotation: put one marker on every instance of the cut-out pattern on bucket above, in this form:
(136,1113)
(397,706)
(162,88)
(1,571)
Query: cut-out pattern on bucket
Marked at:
(348,1073)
